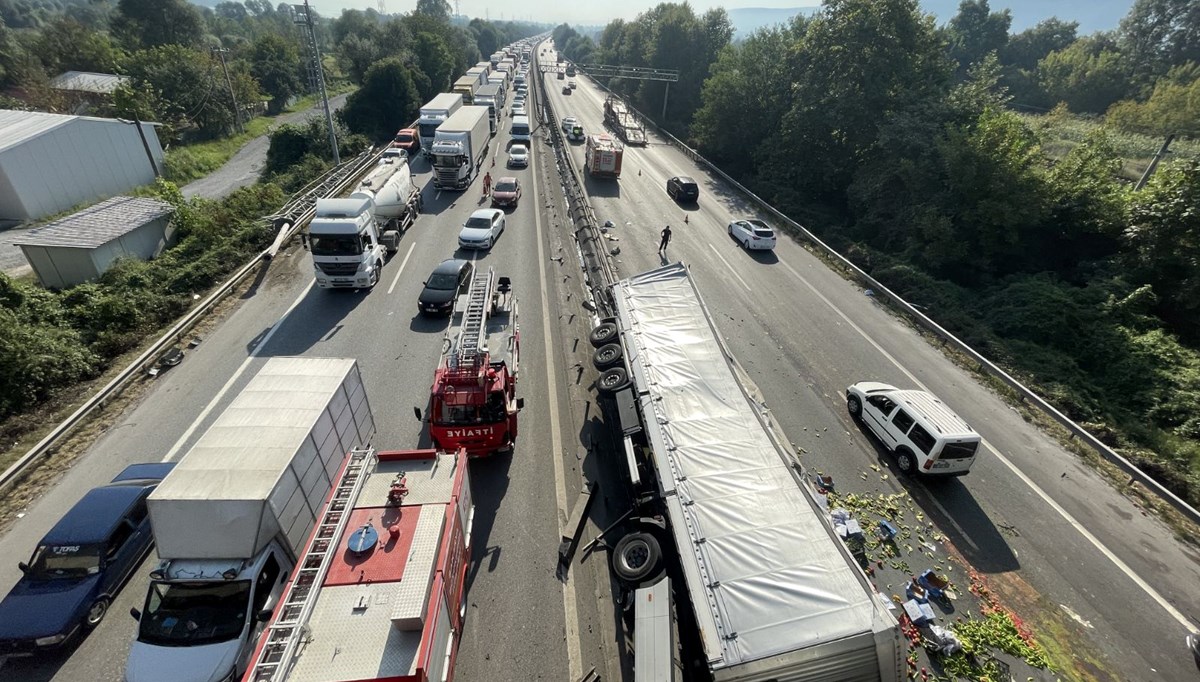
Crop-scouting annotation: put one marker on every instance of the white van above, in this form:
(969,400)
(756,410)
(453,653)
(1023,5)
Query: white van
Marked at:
(919,429)
(520,130)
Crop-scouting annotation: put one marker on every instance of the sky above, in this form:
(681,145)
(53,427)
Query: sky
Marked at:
(1092,14)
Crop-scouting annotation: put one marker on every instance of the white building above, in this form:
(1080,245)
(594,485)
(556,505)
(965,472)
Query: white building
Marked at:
(80,247)
(51,162)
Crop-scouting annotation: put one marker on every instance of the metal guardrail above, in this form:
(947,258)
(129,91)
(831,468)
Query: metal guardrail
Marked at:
(925,321)
(291,220)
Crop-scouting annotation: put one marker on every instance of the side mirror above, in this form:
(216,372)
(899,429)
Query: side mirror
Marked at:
(137,615)
(263,616)
(520,403)
(23,566)
(417,412)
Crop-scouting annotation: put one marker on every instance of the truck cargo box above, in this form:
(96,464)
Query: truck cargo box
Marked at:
(265,465)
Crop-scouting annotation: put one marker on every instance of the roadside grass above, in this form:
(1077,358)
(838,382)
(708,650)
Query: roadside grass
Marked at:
(186,163)
(1061,132)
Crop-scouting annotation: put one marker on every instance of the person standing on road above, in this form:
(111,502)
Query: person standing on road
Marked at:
(487,182)
(666,239)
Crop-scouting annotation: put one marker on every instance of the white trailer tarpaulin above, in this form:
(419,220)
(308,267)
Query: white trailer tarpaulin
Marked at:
(764,570)
(265,466)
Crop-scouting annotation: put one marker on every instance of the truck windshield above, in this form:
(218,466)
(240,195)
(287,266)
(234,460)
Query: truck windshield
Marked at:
(191,614)
(447,160)
(57,562)
(336,245)
(428,129)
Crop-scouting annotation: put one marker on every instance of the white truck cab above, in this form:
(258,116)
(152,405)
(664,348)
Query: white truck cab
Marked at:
(348,247)
(921,431)
(202,618)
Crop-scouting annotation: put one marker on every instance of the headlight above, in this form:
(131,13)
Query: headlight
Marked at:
(49,641)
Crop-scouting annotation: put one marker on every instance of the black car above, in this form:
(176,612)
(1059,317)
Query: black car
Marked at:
(681,188)
(451,277)
(81,564)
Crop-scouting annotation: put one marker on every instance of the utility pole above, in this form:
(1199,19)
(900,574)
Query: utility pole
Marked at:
(304,17)
(237,113)
(137,123)
(1162,151)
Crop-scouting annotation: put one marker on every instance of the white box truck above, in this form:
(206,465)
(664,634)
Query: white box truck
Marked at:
(349,246)
(489,96)
(234,514)
(459,146)
(773,592)
(435,113)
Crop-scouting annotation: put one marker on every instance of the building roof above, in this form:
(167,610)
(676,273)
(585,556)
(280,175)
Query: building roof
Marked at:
(97,225)
(86,81)
(18,127)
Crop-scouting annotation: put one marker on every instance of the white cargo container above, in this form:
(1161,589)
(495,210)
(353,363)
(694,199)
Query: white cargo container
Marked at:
(236,511)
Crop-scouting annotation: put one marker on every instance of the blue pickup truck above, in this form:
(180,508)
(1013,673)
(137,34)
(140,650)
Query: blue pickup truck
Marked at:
(81,564)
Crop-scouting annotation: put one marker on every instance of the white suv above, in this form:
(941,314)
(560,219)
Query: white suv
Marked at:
(919,429)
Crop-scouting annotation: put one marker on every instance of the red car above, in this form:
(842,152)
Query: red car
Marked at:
(408,140)
(506,192)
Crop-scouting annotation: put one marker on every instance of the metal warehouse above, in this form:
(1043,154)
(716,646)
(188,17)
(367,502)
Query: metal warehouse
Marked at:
(51,162)
(82,246)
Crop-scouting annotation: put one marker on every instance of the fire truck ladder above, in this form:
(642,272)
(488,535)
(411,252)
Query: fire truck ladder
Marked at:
(286,633)
(474,324)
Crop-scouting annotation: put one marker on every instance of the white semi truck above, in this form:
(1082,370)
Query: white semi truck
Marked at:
(773,593)
(349,245)
(459,147)
(435,113)
(234,514)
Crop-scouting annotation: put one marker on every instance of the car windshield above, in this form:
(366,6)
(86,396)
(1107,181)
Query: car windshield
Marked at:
(336,245)
(190,614)
(518,151)
(520,129)
(441,280)
(481,222)
(506,186)
(404,138)
(56,562)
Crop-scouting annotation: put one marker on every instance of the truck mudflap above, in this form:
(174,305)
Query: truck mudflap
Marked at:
(653,636)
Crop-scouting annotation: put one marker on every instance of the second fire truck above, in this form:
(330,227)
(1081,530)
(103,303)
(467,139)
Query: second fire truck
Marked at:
(473,403)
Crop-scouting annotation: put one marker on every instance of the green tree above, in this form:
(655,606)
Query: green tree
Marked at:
(434,60)
(67,45)
(1157,35)
(1088,75)
(150,23)
(1021,54)
(275,64)
(387,101)
(976,31)
(1164,241)
(1173,106)
(487,37)
(359,53)
(436,9)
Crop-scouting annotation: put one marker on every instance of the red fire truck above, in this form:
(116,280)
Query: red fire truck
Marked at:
(378,594)
(473,403)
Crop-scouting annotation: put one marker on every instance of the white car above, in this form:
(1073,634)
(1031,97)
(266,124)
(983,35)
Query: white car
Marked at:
(518,111)
(569,122)
(752,234)
(518,156)
(571,84)
(482,229)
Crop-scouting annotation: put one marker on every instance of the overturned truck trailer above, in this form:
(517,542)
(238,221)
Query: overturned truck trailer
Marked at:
(775,593)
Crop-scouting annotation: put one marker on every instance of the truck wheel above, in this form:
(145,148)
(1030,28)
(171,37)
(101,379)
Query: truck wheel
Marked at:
(612,380)
(96,613)
(853,406)
(604,333)
(608,355)
(375,273)
(636,557)
(906,461)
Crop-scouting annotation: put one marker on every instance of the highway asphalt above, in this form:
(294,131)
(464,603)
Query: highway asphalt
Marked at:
(1068,553)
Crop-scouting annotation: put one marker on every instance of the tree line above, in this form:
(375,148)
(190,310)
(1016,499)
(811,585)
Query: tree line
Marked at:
(899,143)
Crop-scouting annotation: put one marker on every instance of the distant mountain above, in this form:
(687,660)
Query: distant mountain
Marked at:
(1093,15)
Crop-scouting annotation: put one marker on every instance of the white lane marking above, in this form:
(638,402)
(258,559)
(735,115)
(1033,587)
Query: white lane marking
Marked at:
(950,517)
(1066,516)
(571,616)
(240,370)
(730,267)
(402,264)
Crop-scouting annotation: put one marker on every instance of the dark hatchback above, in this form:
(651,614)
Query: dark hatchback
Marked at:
(448,279)
(81,564)
(681,188)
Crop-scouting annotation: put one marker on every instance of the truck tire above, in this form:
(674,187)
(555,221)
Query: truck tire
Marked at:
(636,557)
(612,380)
(608,355)
(603,334)
(906,460)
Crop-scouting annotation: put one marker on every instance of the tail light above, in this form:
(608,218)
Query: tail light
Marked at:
(928,464)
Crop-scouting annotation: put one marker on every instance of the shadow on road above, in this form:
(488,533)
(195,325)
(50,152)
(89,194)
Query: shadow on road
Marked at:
(317,318)
(489,484)
(599,187)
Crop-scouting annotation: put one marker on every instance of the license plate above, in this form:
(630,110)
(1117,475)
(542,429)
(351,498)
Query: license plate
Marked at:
(342,281)
(941,465)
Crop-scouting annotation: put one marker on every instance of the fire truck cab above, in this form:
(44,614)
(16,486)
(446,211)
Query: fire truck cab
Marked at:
(473,403)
